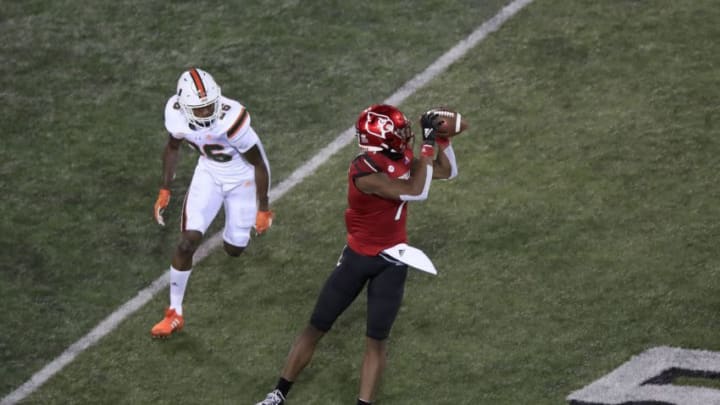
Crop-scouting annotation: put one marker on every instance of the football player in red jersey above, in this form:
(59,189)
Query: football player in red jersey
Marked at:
(232,171)
(381,181)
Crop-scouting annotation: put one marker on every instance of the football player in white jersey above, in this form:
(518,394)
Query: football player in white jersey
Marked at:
(232,171)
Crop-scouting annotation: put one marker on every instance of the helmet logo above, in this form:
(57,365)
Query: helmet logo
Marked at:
(379,125)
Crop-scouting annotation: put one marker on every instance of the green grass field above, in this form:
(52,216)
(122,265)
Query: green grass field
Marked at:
(582,229)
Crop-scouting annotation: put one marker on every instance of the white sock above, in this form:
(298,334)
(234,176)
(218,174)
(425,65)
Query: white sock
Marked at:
(178,282)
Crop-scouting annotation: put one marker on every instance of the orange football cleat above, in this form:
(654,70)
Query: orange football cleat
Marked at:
(171,323)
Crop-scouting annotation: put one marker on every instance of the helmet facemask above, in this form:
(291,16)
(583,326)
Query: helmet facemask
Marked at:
(199,115)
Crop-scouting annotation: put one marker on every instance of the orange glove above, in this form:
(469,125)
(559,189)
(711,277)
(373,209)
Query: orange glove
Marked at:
(263,221)
(161,203)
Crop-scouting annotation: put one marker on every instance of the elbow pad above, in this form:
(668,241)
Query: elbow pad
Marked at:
(425,191)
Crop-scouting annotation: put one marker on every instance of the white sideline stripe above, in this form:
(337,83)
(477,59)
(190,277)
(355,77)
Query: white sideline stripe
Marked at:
(111,322)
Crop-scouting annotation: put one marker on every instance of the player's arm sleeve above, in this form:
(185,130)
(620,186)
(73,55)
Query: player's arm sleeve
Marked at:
(370,179)
(425,190)
(450,154)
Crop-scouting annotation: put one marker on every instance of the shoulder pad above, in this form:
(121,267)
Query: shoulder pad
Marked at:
(234,118)
(364,164)
(175,122)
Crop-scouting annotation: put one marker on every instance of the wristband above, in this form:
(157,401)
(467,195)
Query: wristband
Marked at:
(442,141)
(427,150)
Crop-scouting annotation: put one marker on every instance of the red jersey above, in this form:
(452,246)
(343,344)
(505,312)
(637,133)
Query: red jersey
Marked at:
(375,223)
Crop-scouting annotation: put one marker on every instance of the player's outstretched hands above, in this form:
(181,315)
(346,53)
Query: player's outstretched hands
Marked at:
(429,123)
(430,120)
(161,204)
(263,221)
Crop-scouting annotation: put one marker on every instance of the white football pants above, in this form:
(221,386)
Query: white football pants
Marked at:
(204,198)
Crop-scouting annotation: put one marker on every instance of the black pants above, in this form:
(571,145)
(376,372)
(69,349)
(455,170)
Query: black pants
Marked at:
(386,285)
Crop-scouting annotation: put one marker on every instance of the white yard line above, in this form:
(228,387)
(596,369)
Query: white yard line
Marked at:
(127,309)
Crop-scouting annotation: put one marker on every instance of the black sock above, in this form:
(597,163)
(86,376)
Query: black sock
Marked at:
(361,402)
(284,386)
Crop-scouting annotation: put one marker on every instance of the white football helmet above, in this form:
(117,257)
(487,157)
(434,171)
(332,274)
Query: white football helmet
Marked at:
(197,90)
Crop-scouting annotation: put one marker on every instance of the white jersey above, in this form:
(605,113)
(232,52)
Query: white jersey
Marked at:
(221,146)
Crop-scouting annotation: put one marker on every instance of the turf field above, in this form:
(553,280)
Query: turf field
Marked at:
(582,230)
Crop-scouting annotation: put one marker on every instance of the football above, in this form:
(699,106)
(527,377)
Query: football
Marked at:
(452,122)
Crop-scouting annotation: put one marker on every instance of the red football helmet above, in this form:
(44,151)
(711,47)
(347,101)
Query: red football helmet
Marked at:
(383,127)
